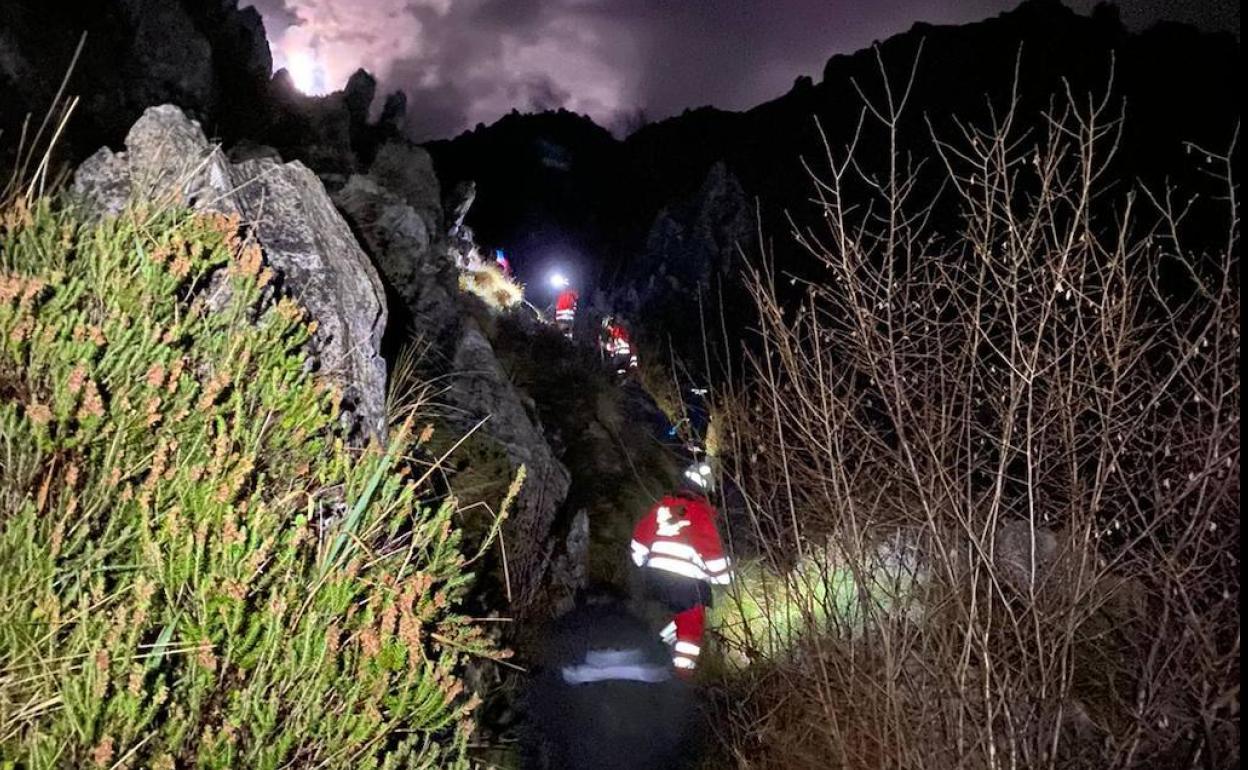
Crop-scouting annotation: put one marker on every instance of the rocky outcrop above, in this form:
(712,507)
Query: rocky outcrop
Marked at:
(481,390)
(396,210)
(287,210)
(696,239)
(407,171)
(209,57)
(135,54)
(407,251)
(461,241)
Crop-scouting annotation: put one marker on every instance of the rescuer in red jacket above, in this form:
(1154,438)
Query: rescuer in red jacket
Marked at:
(616,345)
(678,548)
(565,311)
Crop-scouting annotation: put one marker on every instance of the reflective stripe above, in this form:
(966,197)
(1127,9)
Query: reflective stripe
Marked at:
(717,565)
(607,665)
(666,527)
(681,661)
(673,548)
(640,552)
(688,648)
(696,479)
(723,579)
(669,632)
(678,566)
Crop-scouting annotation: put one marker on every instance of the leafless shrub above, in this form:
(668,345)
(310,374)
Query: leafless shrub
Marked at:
(1047,406)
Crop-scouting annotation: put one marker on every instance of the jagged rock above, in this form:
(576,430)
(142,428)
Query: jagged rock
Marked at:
(166,158)
(239,42)
(460,238)
(291,216)
(171,59)
(248,150)
(418,265)
(207,56)
(407,171)
(407,252)
(358,96)
(698,238)
(480,389)
(461,200)
(306,239)
(315,130)
(394,113)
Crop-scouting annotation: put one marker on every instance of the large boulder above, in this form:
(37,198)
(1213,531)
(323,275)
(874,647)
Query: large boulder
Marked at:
(407,171)
(408,253)
(302,235)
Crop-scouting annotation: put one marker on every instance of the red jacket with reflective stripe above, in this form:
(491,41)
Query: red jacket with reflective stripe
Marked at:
(617,340)
(566,300)
(678,535)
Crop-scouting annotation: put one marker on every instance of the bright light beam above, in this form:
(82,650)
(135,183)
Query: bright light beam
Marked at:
(305,73)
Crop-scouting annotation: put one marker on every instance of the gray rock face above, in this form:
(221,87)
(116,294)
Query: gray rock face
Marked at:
(300,232)
(458,204)
(408,254)
(306,239)
(167,158)
(460,238)
(481,389)
(407,171)
(207,56)
(396,211)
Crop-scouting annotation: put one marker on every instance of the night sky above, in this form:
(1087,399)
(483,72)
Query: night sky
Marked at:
(468,61)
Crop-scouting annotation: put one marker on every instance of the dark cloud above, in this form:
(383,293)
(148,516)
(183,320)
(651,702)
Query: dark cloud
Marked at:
(468,61)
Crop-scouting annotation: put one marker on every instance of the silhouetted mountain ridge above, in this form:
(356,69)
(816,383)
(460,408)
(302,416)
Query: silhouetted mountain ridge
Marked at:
(1175,83)
(1179,84)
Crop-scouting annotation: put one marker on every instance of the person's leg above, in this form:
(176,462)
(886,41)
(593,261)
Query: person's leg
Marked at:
(688,645)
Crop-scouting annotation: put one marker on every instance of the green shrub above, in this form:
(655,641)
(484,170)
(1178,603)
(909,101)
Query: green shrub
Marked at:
(195,570)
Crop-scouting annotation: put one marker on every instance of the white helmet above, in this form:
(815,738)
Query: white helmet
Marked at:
(699,474)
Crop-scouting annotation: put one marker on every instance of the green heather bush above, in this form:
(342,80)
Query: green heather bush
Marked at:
(195,571)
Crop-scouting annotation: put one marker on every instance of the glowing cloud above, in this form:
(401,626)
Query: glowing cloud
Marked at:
(307,75)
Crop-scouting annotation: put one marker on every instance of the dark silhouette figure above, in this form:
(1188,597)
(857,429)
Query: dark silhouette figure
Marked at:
(604,695)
